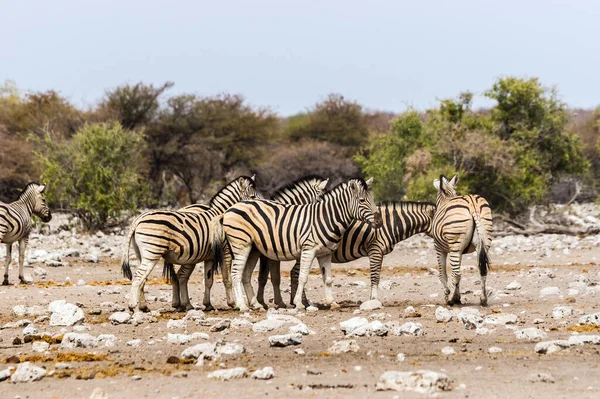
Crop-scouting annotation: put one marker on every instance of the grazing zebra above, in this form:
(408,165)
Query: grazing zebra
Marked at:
(302,191)
(16,223)
(288,232)
(461,225)
(180,238)
(400,221)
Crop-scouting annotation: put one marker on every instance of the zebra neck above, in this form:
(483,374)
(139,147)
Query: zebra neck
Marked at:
(402,220)
(334,218)
(224,200)
(25,203)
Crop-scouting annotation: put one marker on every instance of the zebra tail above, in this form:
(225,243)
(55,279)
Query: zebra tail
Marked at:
(483,257)
(168,271)
(125,267)
(217,239)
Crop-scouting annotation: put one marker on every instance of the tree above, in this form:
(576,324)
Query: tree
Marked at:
(95,173)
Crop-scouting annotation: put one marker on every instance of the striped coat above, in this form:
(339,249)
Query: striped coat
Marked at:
(180,238)
(288,232)
(16,223)
(461,224)
(400,221)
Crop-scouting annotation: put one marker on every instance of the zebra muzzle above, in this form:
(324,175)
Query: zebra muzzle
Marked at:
(378,220)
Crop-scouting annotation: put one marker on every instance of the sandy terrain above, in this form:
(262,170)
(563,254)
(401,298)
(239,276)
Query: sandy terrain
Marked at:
(475,372)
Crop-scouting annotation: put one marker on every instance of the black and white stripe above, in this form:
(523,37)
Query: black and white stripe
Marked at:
(290,232)
(461,224)
(181,238)
(400,221)
(16,223)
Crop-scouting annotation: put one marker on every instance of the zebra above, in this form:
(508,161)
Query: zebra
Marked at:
(288,232)
(461,224)
(180,238)
(302,191)
(400,221)
(16,223)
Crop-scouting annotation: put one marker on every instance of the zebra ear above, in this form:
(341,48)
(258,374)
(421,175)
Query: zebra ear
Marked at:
(369,182)
(41,188)
(253,177)
(436,184)
(321,186)
(454,180)
(353,186)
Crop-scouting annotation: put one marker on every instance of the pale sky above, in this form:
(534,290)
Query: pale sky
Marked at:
(287,55)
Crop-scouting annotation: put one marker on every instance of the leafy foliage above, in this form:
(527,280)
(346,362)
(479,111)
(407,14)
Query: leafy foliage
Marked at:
(94,172)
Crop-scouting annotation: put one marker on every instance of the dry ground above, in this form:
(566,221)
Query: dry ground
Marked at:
(316,374)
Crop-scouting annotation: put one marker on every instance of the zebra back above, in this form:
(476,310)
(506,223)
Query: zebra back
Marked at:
(302,191)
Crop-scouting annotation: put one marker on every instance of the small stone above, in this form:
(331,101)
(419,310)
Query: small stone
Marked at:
(26,372)
(179,374)
(177,324)
(239,324)
(108,340)
(299,329)
(195,315)
(372,304)
(95,311)
(5,374)
(513,286)
(267,325)
(299,351)
(230,348)
(386,285)
(501,319)
(530,334)
(285,340)
(65,314)
(98,393)
(220,326)
(541,377)
(205,350)
(172,360)
(560,312)
(352,324)
(31,329)
(400,357)
(410,328)
(264,374)
(134,342)
(549,347)
(136,377)
(443,315)
(549,291)
(421,381)
(312,309)
(120,318)
(593,319)
(76,340)
(448,350)
(228,374)
(538,321)
(373,328)
(494,349)
(40,346)
(470,317)
(344,346)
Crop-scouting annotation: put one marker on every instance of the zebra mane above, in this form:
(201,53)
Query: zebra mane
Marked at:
(217,195)
(360,181)
(294,185)
(393,203)
(29,185)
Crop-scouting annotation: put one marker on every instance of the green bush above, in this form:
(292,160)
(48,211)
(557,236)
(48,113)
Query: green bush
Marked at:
(95,172)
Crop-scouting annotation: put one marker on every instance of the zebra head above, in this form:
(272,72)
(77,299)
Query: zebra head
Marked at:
(33,195)
(445,188)
(362,204)
(247,187)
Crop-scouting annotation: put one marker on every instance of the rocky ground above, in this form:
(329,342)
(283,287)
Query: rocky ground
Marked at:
(71,333)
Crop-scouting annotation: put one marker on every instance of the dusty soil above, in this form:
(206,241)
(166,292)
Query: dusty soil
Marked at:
(475,372)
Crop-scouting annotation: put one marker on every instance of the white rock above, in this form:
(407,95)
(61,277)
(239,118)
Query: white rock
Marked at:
(39,271)
(352,324)
(358,283)
(134,342)
(494,349)
(195,315)
(26,372)
(230,348)
(76,340)
(373,328)
(98,393)
(284,318)
(65,314)
(448,350)
(386,285)
(410,328)
(409,310)
(560,312)
(540,377)
(285,340)
(344,346)
(515,285)
(5,374)
(530,334)
(549,347)
(422,381)
(264,374)
(182,323)
(205,350)
(539,321)
(19,311)
(299,329)
(267,325)
(584,339)
(590,319)
(549,291)
(443,315)
(470,317)
(30,330)
(299,351)
(141,318)
(312,309)
(228,374)
(501,319)
(120,318)
(39,346)
(108,340)
(400,357)
(240,324)
(91,258)
(372,304)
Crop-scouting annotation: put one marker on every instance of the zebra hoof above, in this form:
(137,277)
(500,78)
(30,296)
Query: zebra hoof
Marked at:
(209,308)
(334,305)
(189,306)
(24,282)
(144,308)
(484,302)
(280,305)
(5,282)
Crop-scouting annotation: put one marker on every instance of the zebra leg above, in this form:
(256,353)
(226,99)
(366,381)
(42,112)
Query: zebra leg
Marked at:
(455,260)
(443,276)
(375,260)
(183,275)
(227,280)
(240,256)
(175,302)
(294,278)
(306,260)
(247,280)
(275,271)
(208,283)
(263,277)
(325,265)
(7,260)
(137,301)
(22,247)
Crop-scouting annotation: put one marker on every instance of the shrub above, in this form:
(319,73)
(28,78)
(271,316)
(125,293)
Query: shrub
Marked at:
(95,172)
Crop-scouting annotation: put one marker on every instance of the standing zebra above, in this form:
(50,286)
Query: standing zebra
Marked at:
(181,238)
(302,191)
(288,232)
(16,223)
(400,221)
(461,225)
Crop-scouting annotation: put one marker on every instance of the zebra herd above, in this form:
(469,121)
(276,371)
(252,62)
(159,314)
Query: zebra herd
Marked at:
(301,221)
